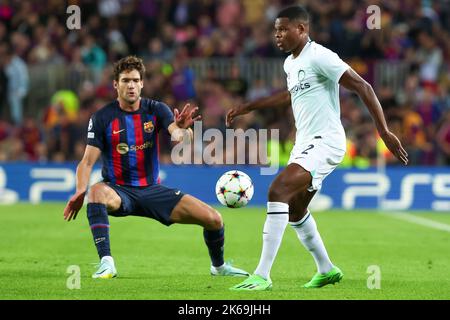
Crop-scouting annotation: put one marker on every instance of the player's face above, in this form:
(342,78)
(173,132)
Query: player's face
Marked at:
(287,34)
(129,86)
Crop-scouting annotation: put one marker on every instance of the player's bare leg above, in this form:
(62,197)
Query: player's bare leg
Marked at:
(298,206)
(101,199)
(302,221)
(102,193)
(191,210)
(292,180)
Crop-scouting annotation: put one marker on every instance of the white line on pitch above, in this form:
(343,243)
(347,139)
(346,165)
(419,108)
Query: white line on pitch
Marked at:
(418,220)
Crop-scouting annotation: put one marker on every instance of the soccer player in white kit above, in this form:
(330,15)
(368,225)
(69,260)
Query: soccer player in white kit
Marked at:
(313,77)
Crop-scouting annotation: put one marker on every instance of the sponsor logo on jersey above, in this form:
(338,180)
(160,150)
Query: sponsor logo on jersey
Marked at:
(123,148)
(301,84)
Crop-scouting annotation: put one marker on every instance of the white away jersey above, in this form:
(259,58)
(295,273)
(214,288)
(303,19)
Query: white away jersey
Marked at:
(312,80)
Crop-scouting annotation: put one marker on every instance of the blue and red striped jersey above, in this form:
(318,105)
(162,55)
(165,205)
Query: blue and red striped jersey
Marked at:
(129,141)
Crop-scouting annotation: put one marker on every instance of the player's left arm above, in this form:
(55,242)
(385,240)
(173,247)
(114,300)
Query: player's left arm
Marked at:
(353,82)
(180,127)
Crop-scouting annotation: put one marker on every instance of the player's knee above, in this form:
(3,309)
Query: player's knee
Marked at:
(215,221)
(277,193)
(97,194)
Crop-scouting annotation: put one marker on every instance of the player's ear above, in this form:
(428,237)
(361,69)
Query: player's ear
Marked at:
(115,84)
(305,27)
(301,27)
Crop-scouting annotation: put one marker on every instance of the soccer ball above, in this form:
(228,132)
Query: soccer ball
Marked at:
(234,189)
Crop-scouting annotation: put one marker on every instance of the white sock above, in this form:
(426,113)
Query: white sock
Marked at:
(276,222)
(309,236)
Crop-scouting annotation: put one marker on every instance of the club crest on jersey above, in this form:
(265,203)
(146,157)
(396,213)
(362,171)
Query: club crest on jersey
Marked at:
(149,127)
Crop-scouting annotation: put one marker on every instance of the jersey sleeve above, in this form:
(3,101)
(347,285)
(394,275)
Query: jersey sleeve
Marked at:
(287,74)
(328,64)
(95,136)
(164,115)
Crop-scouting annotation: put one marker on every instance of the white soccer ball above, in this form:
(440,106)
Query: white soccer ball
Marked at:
(234,189)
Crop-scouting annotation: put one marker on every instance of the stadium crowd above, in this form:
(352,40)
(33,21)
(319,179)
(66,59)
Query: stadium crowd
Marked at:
(167,34)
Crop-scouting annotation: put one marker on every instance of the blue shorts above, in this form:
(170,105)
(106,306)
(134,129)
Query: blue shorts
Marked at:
(156,201)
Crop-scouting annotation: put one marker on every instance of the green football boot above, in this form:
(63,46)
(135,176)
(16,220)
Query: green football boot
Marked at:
(322,279)
(253,283)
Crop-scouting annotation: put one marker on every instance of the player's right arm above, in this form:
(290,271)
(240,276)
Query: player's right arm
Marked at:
(280,99)
(84,169)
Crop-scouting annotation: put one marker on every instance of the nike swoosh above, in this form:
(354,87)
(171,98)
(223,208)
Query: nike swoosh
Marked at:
(116,132)
(100,272)
(177,193)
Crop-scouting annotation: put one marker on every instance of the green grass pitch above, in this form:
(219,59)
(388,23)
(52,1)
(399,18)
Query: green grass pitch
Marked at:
(155,262)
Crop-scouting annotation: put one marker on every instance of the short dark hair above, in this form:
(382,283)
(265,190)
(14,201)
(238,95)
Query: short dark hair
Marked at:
(294,13)
(129,63)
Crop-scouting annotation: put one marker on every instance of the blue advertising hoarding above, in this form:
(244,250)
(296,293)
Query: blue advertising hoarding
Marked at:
(397,188)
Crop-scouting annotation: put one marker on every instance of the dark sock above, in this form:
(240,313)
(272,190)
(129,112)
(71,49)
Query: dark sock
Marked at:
(98,220)
(215,241)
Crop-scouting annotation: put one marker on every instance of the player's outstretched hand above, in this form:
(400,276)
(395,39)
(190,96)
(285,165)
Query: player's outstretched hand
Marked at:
(394,145)
(74,205)
(185,118)
(234,112)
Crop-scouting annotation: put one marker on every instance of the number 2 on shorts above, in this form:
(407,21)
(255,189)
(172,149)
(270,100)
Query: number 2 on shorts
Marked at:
(309,148)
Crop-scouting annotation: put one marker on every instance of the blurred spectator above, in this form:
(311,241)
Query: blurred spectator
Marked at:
(93,56)
(429,57)
(18,83)
(3,31)
(118,47)
(156,51)
(6,11)
(109,8)
(182,79)
(31,137)
(415,138)
(3,82)
(236,84)
(257,90)
(443,139)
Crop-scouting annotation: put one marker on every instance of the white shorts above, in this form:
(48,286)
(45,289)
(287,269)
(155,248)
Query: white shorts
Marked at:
(318,158)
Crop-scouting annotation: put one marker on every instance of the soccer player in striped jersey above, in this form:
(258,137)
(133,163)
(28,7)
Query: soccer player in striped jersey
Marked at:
(313,75)
(125,134)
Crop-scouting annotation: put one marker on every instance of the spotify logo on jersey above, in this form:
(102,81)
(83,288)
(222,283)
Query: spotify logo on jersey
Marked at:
(123,148)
